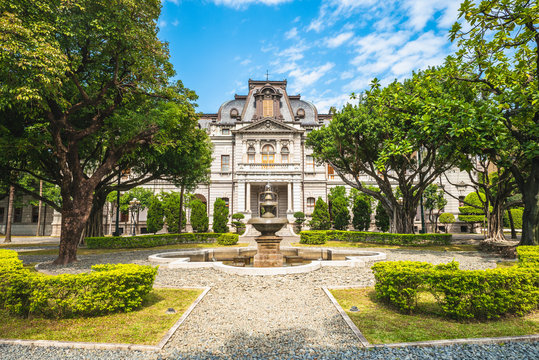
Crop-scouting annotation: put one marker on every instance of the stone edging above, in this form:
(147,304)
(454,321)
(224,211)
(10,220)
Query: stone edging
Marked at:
(113,346)
(365,343)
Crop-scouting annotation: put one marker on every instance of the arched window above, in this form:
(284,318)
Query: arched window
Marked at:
(268,154)
(310,205)
(251,154)
(331,172)
(284,154)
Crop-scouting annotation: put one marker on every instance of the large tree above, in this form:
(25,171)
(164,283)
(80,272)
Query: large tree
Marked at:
(85,87)
(499,54)
(394,136)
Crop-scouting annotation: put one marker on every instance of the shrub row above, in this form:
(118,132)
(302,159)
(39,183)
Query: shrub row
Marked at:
(528,256)
(143,241)
(108,288)
(322,236)
(461,294)
(228,239)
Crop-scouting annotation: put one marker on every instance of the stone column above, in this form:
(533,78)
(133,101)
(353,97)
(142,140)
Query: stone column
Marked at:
(248,199)
(289,197)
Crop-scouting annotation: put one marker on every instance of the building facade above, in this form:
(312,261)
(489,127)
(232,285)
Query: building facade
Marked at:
(260,138)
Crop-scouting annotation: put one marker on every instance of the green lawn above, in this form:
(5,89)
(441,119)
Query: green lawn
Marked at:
(381,324)
(85,251)
(145,326)
(453,247)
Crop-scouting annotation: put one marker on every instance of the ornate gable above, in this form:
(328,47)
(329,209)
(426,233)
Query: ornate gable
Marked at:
(268,125)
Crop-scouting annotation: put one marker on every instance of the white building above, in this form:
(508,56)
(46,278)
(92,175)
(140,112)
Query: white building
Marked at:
(260,138)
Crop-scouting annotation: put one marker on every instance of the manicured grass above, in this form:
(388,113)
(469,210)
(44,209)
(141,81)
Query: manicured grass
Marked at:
(145,326)
(453,247)
(84,251)
(381,324)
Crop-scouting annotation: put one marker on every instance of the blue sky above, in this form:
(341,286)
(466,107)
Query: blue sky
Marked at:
(325,49)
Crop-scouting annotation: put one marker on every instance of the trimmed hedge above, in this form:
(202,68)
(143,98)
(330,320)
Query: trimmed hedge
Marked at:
(144,241)
(228,239)
(461,294)
(528,256)
(321,237)
(108,288)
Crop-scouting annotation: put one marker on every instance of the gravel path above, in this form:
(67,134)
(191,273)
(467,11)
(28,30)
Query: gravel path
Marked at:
(281,317)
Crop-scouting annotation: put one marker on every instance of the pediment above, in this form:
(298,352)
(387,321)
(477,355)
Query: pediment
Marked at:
(268,125)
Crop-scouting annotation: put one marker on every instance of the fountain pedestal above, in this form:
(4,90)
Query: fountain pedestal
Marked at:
(269,252)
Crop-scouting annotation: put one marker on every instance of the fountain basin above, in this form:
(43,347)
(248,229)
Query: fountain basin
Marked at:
(320,257)
(268,226)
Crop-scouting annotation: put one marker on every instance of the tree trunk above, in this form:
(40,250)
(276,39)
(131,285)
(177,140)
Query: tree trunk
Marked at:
(495,225)
(512,224)
(39,207)
(529,188)
(94,227)
(404,219)
(75,213)
(180,217)
(9,220)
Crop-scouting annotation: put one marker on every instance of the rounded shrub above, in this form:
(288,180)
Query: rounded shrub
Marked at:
(320,217)
(220,216)
(228,239)
(446,219)
(381,218)
(199,216)
(340,212)
(362,211)
(155,220)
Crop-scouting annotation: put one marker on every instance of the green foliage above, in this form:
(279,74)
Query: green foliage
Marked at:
(336,192)
(155,218)
(517,218)
(171,208)
(461,294)
(473,213)
(446,219)
(313,237)
(381,218)
(322,236)
(299,218)
(145,241)
(528,256)
(340,213)
(108,288)
(220,216)
(362,210)
(228,239)
(237,223)
(199,216)
(320,217)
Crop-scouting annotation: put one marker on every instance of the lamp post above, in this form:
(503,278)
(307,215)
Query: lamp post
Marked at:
(134,205)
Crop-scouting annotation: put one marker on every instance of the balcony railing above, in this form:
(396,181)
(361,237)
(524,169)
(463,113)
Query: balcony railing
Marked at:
(269,167)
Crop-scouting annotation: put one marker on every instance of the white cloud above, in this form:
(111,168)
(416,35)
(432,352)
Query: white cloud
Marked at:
(339,39)
(302,78)
(292,33)
(161,24)
(245,62)
(323,103)
(176,22)
(237,4)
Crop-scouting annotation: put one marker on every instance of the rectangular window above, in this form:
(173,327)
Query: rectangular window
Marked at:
(35,214)
(2,215)
(124,216)
(225,131)
(251,158)
(309,163)
(17,215)
(227,201)
(267,107)
(225,163)
(284,158)
(331,172)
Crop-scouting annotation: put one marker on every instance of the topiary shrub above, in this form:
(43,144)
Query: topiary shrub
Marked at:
(220,216)
(237,223)
(228,239)
(528,256)
(313,237)
(446,219)
(155,219)
(340,213)
(199,216)
(362,211)
(473,214)
(320,217)
(381,219)
(299,219)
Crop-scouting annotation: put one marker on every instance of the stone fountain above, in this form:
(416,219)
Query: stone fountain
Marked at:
(269,253)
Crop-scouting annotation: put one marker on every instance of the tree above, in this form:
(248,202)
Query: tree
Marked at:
(381,218)
(11,196)
(220,216)
(299,219)
(499,55)
(473,212)
(171,208)
(362,210)
(340,212)
(320,217)
(199,216)
(155,218)
(393,136)
(434,202)
(85,91)
(446,219)
(237,223)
